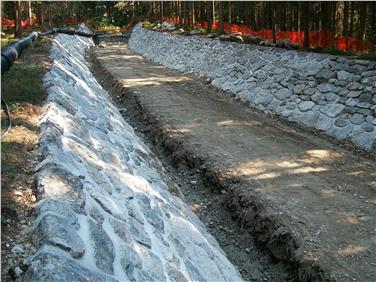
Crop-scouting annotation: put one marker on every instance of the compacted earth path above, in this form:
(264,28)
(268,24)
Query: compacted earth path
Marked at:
(303,198)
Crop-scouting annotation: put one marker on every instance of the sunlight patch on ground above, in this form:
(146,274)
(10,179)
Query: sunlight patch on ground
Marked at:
(349,217)
(267,169)
(351,250)
(152,81)
(237,123)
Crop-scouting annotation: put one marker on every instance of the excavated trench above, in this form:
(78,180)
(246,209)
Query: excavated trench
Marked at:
(268,237)
(209,192)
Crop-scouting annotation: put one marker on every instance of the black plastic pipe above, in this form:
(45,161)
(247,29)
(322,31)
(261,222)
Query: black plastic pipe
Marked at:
(10,54)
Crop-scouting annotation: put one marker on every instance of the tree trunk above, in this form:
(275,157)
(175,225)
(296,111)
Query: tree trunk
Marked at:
(340,18)
(229,11)
(18,27)
(326,16)
(2,10)
(296,16)
(49,11)
(42,12)
(363,20)
(346,23)
(208,14)
(161,8)
(180,13)
(29,12)
(193,14)
(253,19)
(333,16)
(305,22)
(272,6)
(352,18)
(373,26)
(291,17)
(184,13)
(283,17)
(220,15)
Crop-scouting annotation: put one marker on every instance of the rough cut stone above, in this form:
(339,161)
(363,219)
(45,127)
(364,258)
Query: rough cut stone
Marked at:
(343,75)
(57,182)
(354,94)
(325,74)
(332,110)
(331,97)
(57,231)
(341,122)
(152,264)
(103,247)
(138,233)
(354,86)
(357,119)
(174,274)
(367,98)
(47,266)
(365,140)
(309,91)
(282,94)
(130,261)
(306,105)
(307,79)
(341,133)
(324,123)
(326,87)
(121,230)
(367,127)
(309,118)
(351,102)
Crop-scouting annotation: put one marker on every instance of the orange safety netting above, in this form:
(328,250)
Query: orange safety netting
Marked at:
(317,39)
(24,23)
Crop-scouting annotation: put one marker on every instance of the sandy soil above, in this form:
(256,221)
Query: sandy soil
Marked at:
(305,199)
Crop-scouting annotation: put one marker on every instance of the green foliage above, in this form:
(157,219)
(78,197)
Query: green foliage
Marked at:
(149,24)
(367,56)
(23,81)
(106,23)
(333,51)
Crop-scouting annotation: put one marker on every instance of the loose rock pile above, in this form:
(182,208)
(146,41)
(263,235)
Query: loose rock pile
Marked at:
(330,93)
(105,212)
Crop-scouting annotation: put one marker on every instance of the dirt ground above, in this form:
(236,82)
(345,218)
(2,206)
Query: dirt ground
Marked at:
(23,91)
(303,198)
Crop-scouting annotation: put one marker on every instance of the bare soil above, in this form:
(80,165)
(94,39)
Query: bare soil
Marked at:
(304,199)
(23,90)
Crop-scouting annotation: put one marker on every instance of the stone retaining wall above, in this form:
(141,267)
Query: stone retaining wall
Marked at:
(330,93)
(105,212)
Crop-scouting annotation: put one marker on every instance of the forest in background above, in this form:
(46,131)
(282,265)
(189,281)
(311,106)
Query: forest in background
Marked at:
(339,19)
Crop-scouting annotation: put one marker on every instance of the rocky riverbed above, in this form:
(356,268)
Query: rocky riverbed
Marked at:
(106,210)
(333,94)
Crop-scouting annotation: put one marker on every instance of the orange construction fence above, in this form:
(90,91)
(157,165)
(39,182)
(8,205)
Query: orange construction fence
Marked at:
(24,23)
(317,39)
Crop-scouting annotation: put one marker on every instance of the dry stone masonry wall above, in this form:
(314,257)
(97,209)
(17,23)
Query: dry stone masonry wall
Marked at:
(330,93)
(105,212)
